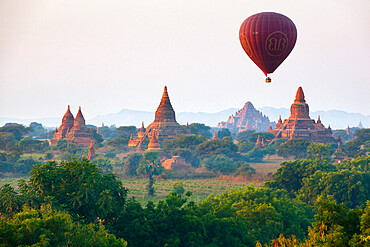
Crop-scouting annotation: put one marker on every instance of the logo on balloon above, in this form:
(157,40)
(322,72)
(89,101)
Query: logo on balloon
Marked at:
(276,43)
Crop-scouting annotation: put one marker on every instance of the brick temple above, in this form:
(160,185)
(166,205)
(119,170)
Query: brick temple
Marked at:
(73,130)
(164,125)
(300,125)
(247,118)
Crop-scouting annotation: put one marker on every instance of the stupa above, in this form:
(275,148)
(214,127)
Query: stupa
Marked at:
(67,124)
(300,125)
(247,118)
(164,125)
(153,144)
(73,130)
(215,137)
(91,152)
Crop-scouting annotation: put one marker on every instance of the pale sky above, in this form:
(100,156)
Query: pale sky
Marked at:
(119,54)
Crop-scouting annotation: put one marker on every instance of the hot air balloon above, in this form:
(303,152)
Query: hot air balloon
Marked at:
(268,38)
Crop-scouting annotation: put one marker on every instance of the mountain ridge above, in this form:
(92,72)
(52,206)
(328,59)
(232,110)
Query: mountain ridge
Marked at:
(337,119)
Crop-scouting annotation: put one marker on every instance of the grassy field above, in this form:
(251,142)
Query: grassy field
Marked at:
(201,188)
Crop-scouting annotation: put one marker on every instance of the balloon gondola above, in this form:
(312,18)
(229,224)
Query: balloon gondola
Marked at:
(268,38)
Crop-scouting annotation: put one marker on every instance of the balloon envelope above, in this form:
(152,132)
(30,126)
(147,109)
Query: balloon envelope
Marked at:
(268,38)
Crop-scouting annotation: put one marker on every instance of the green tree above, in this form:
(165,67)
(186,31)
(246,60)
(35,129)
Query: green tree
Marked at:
(362,238)
(17,130)
(319,151)
(48,227)
(171,222)
(334,223)
(97,137)
(356,147)
(78,187)
(290,175)
(256,155)
(178,187)
(244,135)
(349,187)
(259,213)
(24,165)
(245,147)
(30,145)
(7,140)
(132,164)
(201,129)
(221,163)
(245,169)
(361,163)
(216,147)
(293,147)
(126,131)
(223,133)
(118,142)
(10,202)
(149,166)
(183,141)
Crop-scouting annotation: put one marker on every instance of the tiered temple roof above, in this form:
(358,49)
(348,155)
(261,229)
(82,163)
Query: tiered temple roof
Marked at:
(247,118)
(300,125)
(153,143)
(73,130)
(67,124)
(164,125)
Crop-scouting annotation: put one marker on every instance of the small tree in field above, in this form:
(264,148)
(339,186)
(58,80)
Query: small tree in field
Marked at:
(149,166)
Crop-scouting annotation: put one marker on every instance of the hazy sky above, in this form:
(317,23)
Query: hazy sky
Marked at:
(109,55)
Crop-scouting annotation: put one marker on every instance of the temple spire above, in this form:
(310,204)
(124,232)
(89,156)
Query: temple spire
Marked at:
(165,112)
(215,137)
(91,152)
(153,143)
(299,97)
(79,117)
(258,142)
(279,121)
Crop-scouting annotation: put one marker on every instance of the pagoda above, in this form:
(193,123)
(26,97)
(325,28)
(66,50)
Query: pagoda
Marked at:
(215,137)
(91,152)
(73,130)
(247,118)
(153,144)
(67,124)
(300,125)
(164,125)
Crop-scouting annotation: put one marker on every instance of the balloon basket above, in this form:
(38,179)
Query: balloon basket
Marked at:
(268,80)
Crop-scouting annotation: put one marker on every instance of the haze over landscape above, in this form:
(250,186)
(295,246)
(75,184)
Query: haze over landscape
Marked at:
(146,123)
(109,56)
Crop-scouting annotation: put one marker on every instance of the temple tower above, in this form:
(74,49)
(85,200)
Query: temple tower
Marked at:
(67,124)
(79,133)
(215,137)
(300,125)
(91,152)
(153,143)
(299,108)
(164,125)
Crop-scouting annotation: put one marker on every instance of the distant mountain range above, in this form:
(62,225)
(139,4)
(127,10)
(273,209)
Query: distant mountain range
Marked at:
(337,119)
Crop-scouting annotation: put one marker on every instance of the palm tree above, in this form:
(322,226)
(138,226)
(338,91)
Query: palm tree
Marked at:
(149,166)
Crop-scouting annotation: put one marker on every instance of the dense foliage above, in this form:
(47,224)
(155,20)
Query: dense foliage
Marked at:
(74,204)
